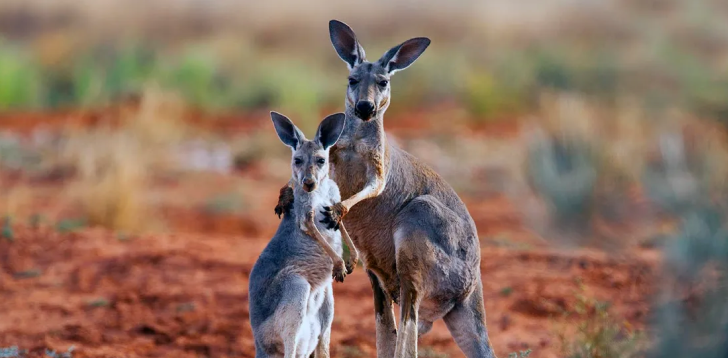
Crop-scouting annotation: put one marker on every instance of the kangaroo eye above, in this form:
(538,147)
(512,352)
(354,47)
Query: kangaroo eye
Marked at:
(383,83)
(321,161)
(353,81)
(297,161)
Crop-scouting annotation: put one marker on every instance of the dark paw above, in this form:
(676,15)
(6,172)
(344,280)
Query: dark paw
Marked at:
(328,221)
(339,273)
(285,201)
(351,262)
(333,215)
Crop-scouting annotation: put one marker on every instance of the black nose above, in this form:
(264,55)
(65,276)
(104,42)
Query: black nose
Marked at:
(365,109)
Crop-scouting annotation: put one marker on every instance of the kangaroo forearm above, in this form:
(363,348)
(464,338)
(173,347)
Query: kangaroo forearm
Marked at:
(371,190)
(313,231)
(347,239)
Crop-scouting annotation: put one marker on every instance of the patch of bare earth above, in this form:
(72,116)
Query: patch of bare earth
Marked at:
(186,295)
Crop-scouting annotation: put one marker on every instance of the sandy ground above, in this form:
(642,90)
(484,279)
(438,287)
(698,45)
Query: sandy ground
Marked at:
(186,296)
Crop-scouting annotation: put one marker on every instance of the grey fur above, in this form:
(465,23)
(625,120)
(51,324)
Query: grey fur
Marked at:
(417,239)
(290,290)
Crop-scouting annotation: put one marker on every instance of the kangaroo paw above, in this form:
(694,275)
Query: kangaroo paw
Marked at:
(339,272)
(285,201)
(334,214)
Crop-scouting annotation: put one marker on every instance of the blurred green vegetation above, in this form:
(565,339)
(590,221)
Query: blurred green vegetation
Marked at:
(502,81)
(21,84)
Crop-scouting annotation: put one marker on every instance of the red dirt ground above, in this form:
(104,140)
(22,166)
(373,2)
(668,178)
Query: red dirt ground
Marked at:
(184,294)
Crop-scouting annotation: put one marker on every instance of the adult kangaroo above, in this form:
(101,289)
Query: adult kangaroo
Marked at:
(417,240)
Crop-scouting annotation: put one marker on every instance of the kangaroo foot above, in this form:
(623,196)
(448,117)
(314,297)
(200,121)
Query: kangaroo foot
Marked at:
(285,201)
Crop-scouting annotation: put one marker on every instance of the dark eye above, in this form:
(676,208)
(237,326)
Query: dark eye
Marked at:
(321,161)
(297,161)
(383,83)
(353,81)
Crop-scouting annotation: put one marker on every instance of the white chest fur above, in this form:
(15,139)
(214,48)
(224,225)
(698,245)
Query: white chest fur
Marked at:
(327,194)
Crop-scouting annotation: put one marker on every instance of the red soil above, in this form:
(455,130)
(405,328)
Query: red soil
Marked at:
(186,295)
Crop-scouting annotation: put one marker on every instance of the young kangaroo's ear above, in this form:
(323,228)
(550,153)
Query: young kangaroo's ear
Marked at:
(289,134)
(402,56)
(330,130)
(345,43)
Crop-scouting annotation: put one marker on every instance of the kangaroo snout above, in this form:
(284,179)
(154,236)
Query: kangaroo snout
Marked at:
(309,184)
(365,110)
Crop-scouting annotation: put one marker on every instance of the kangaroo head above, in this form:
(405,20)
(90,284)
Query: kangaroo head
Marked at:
(369,92)
(310,159)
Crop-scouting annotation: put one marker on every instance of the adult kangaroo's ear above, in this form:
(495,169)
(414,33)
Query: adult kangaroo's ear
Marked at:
(330,130)
(345,43)
(402,56)
(289,134)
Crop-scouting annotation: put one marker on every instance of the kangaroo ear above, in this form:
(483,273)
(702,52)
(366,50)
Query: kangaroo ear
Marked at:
(289,134)
(402,56)
(345,43)
(330,130)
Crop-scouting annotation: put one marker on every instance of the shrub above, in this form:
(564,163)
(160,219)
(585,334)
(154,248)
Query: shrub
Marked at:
(563,172)
(20,80)
(692,320)
(599,334)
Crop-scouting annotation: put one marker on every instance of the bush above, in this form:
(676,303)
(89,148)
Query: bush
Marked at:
(693,319)
(197,78)
(20,80)
(564,173)
(599,334)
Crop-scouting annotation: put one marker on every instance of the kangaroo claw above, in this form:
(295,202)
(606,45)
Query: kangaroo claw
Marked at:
(333,215)
(339,272)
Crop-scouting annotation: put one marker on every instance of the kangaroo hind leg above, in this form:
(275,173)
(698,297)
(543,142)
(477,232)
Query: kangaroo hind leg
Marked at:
(466,322)
(290,313)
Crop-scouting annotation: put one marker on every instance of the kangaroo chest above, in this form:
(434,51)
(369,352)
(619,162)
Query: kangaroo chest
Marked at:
(349,170)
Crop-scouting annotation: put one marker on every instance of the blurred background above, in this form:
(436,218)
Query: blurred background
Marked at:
(139,169)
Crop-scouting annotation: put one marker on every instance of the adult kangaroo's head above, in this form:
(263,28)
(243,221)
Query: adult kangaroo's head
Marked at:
(369,92)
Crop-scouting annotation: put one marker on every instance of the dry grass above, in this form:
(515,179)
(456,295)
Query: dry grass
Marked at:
(112,177)
(114,166)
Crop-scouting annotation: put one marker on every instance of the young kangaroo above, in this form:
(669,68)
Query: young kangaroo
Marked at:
(291,298)
(418,242)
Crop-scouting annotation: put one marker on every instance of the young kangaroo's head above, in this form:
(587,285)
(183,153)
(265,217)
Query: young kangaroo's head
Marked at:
(310,159)
(368,93)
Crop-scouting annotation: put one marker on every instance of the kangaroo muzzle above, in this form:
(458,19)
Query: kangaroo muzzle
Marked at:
(365,110)
(309,184)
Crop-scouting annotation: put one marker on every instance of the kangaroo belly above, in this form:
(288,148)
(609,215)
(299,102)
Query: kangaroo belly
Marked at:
(313,324)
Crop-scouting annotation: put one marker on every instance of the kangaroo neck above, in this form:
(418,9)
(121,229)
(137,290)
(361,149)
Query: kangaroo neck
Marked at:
(356,130)
(362,143)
